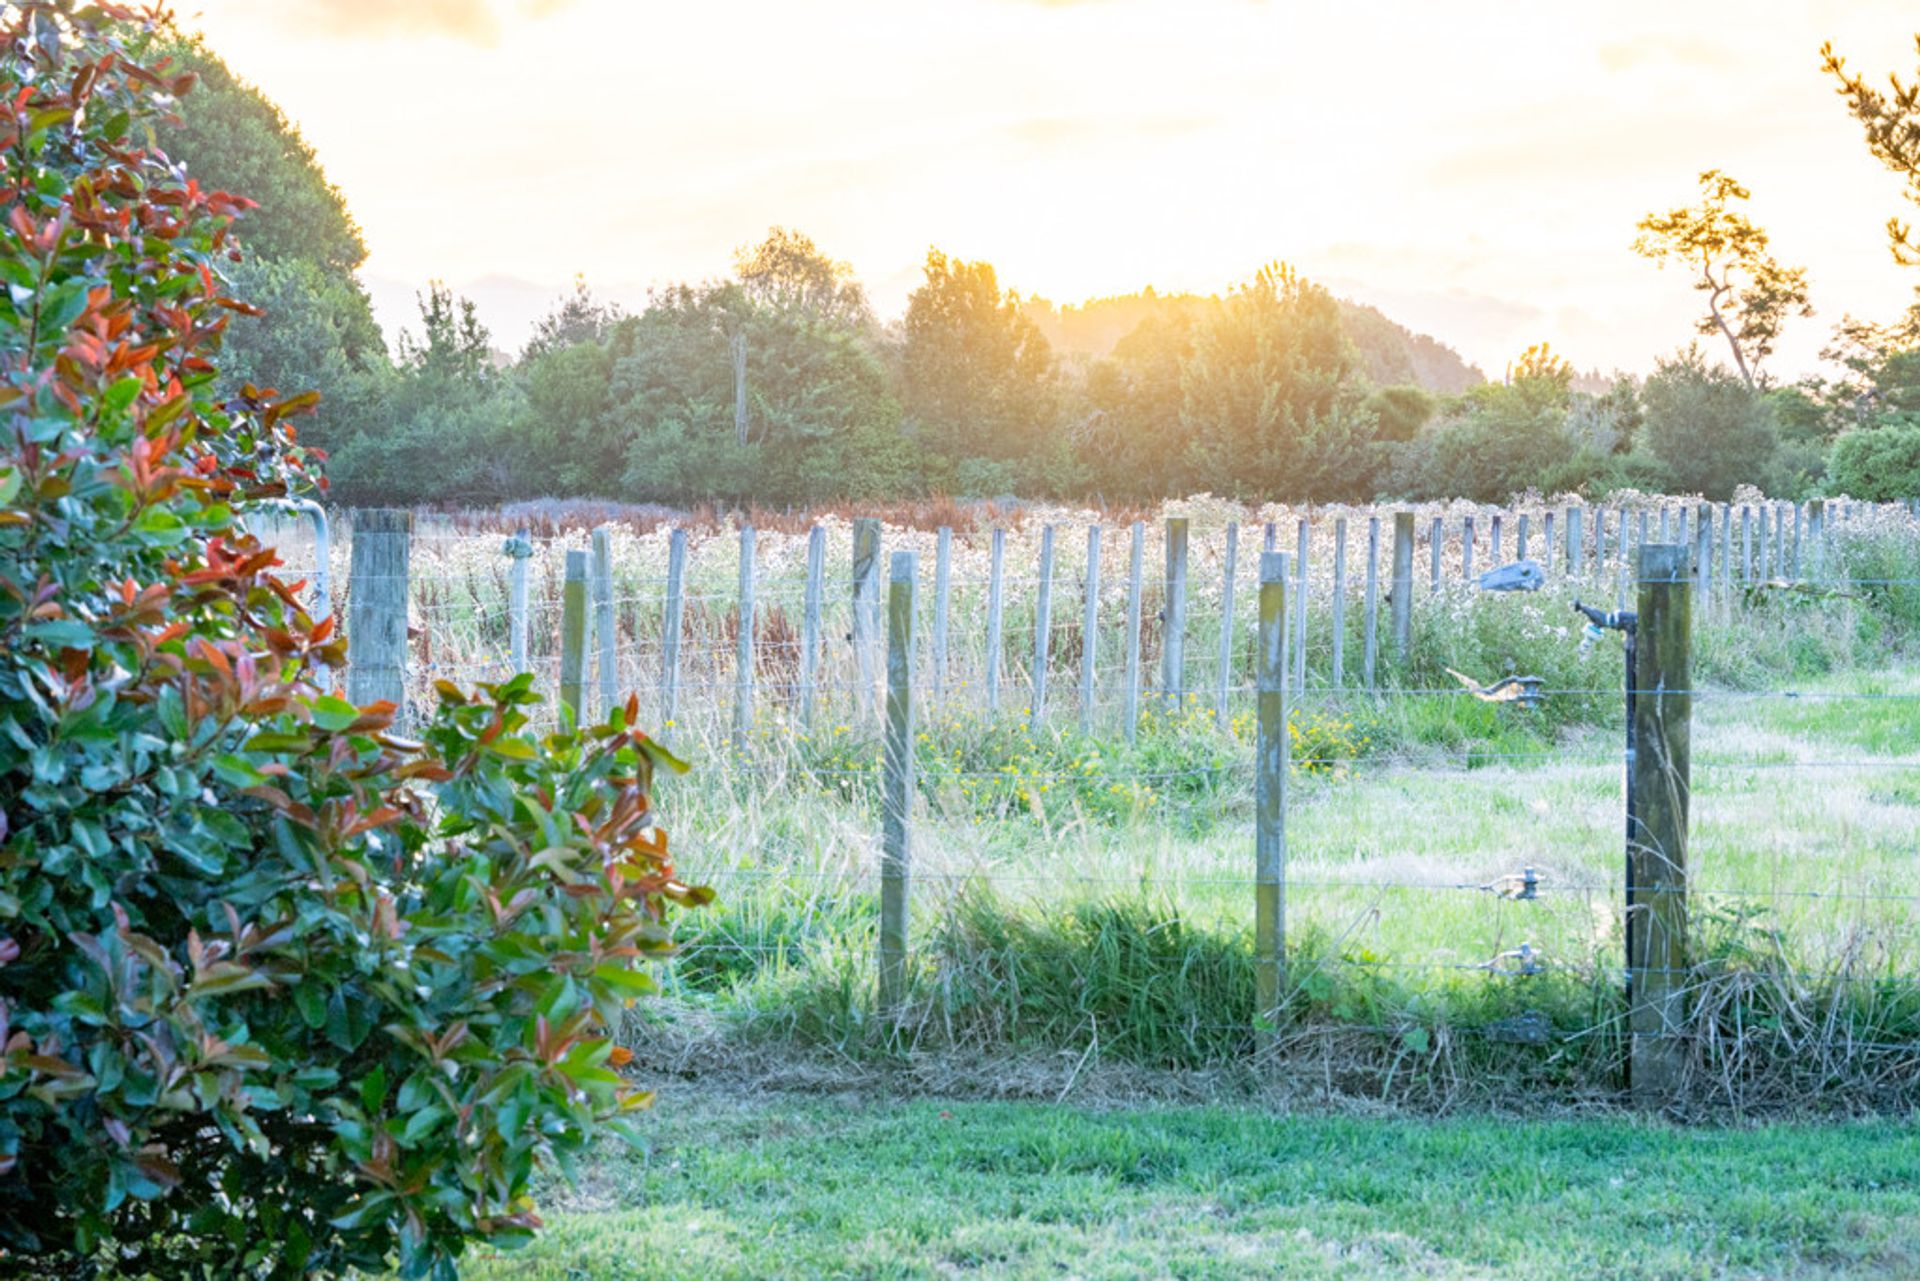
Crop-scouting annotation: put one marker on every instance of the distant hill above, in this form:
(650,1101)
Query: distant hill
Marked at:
(1392,352)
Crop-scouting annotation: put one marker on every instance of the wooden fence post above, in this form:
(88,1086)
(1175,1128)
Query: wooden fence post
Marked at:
(1042,632)
(1546,540)
(520,548)
(743,647)
(996,604)
(1174,636)
(603,614)
(1765,550)
(811,623)
(1494,539)
(1271,761)
(1520,536)
(942,605)
(1703,568)
(1576,544)
(670,627)
(1466,547)
(1746,546)
(1135,569)
(1402,590)
(1436,535)
(1225,673)
(1816,538)
(1339,602)
(895,848)
(573,638)
(865,632)
(1090,631)
(377,608)
(1660,791)
(1370,659)
(1300,607)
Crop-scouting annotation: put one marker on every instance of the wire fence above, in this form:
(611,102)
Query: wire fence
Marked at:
(1086,722)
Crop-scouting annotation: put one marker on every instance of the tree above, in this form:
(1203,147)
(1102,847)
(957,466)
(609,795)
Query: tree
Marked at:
(1499,439)
(1880,464)
(282,992)
(1710,429)
(978,376)
(1272,399)
(787,272)
(1720,245)
(577,318)
(1891,119)
(1134,400)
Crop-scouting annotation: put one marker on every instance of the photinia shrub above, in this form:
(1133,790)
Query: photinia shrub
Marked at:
(281,992)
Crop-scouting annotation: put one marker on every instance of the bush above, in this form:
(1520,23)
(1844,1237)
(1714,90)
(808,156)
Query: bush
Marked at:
(1880,464)
(281,992)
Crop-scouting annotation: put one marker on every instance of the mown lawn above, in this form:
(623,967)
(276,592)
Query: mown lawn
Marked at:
(798,1187)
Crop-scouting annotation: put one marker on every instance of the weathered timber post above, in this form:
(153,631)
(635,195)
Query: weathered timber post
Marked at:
(942,607)
(811,624)
(1817,537)
(1173,640)
(1520,536)
(895,847)
(1494,540)
(1371,657)
(996,616)
(573,638)
(1271,761)
(865,633)
(1436,536)
(1576,543)
(1466,547)
(1224,676)
(1300,607)
(1042,632)
(1339,602)
(1090,631)
(377,608)
(603,630)
(1660,791)
(1402,590)
(671,627)
(520,549)
(1135,571)
(743,647)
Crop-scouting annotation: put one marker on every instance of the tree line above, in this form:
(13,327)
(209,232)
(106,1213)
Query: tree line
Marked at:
(778,384)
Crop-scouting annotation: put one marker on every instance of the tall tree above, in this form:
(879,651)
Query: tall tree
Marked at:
(788,272)
(1749,293)
(1273,396)
(579,317)
(1891,119)
(978,373)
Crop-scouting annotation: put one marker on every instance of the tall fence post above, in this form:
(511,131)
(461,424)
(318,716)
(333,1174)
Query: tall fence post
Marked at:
(743,647)
(942,606)
(377,608)
(811,623)
(895,849)
(996,604)
(573,637)
(671,626)
(1660,791)
(1370,659)
(1546,541)
(1090,631)
(1135,571)
(520,549)
(1520,533)
(603,615)
(1436,538)
(865,632)
(1466,548)
(1225,674)
(1817,538)
(1042,631)
(1271,761)
(1576,543)
(1173,639)
(1339,602)
(1494,543)
(1703,569)
(1300,605)
(1402,590)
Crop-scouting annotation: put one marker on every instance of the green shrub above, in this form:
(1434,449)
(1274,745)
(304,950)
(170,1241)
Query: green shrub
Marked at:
(1879,463)
(281,992)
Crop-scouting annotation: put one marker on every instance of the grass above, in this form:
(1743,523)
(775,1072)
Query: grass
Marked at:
(795,1187)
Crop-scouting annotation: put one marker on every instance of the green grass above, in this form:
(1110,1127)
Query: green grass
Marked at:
(860,1188)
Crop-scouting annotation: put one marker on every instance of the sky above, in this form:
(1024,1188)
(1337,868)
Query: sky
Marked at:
(1473,169)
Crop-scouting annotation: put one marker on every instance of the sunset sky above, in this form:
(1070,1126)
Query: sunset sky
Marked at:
(1474,169)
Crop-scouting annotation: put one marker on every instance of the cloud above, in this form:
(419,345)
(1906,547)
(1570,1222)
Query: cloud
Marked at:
(477,21)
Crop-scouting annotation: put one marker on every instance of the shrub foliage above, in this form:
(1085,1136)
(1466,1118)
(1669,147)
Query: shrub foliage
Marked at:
(281,992)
